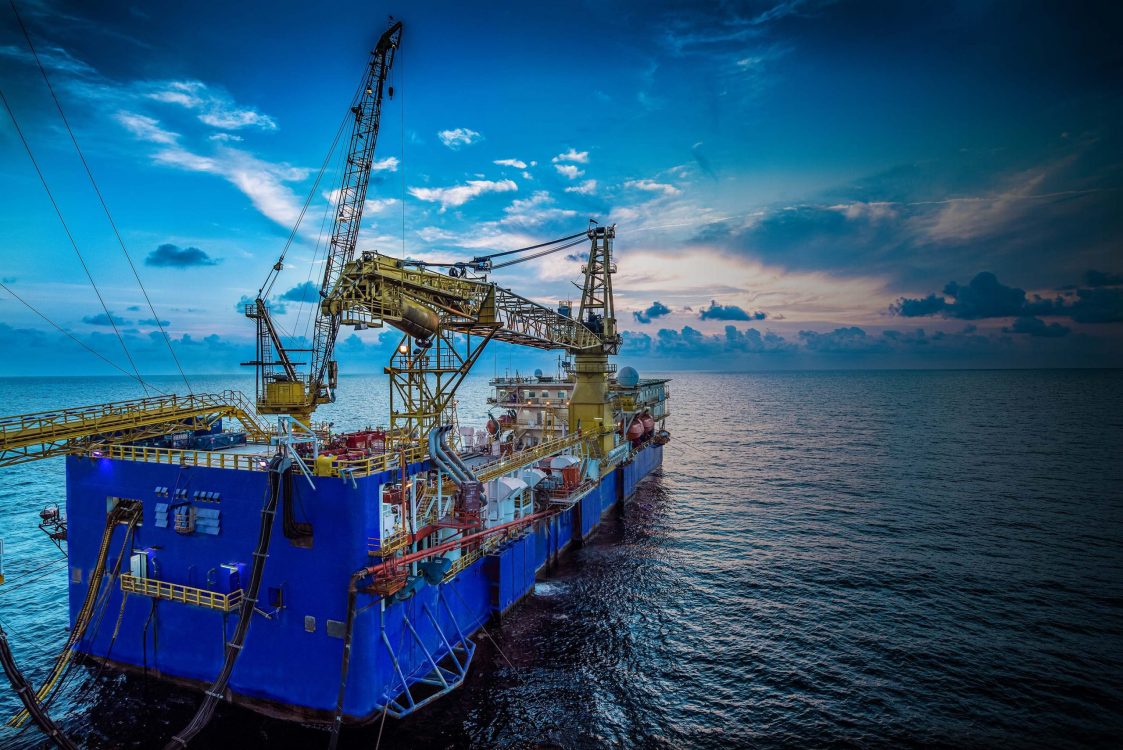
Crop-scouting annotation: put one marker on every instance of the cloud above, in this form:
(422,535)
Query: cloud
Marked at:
(986,297)
(572,155)
(458,195)
(274,305)
(569,170)
(690,343)
(874,211)
(1037,327)
(847,339)
(652,186)
(173,256)
(146,128)
(656,310)
(153,322)
(389,164)
(588,187)
(459,137)
(305,292)
(914,308)
(1100,305)
(224,137)
(516,163)
(260,181)
(213,106)
(535,210)
(101,319)
(1100,278)
(728,312)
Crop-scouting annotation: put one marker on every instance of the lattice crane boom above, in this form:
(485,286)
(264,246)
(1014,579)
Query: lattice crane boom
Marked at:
(378,289)
(281,388)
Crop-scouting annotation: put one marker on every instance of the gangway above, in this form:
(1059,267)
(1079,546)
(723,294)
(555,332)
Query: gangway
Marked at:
(30,437)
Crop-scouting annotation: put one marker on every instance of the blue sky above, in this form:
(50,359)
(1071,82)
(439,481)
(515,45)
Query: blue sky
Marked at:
(795,184)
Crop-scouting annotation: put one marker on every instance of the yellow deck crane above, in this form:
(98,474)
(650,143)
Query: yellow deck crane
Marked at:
(447,319)
(281,387)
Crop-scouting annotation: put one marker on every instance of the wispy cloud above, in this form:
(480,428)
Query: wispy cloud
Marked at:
(459,137)
(516,163)
(458,195)
(213,106)
(262,182)
(535,210)
(652,186)
(146,128)
(389,164)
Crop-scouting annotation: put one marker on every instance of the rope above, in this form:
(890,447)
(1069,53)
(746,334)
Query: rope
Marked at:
(535,247)
(539,255)
(12,587)
(73,242)
(100,197)
(479,258)
(78,341)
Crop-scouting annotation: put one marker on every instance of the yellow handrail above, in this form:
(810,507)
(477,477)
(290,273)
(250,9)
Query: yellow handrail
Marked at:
(27,437)
(174,592)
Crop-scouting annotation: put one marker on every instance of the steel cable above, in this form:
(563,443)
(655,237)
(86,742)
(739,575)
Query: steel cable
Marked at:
(100,197)
(73,242)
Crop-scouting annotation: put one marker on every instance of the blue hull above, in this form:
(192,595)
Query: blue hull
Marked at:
(291,662)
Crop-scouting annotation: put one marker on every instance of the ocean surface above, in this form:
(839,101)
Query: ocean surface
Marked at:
(828,559)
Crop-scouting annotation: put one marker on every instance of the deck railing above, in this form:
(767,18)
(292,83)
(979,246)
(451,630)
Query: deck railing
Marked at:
(174,592)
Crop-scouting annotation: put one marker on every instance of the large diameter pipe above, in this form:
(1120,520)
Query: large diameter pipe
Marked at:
(417,322)
(436,452)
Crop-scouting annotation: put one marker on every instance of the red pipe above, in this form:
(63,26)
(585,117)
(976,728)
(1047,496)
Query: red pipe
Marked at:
(431,551)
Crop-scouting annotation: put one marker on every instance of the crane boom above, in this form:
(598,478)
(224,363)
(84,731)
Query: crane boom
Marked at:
(448,320)
(377,289)
(281,389)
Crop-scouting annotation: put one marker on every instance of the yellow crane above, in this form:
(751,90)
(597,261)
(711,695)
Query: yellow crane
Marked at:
(448,320)
(281,387)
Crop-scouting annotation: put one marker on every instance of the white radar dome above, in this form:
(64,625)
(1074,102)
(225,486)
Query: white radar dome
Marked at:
(627,377)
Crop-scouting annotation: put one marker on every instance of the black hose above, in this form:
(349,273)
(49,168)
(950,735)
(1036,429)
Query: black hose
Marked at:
(348,633)
(27,697)
(293,529)
(245,613)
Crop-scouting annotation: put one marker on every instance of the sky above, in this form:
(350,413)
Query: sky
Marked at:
(794,184)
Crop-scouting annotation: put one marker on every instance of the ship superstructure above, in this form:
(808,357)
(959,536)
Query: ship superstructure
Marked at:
(238,548)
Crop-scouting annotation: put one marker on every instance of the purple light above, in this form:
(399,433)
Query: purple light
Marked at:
(97,454)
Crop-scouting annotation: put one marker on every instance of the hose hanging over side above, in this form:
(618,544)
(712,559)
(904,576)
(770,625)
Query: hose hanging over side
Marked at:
(277,468)
(27,697)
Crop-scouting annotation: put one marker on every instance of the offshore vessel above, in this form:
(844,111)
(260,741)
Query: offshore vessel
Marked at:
(240,548)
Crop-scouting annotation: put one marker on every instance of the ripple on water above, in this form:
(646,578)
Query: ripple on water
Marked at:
(855,559)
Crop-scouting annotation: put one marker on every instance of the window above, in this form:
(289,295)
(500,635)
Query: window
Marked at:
(561,394)
(530,394)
